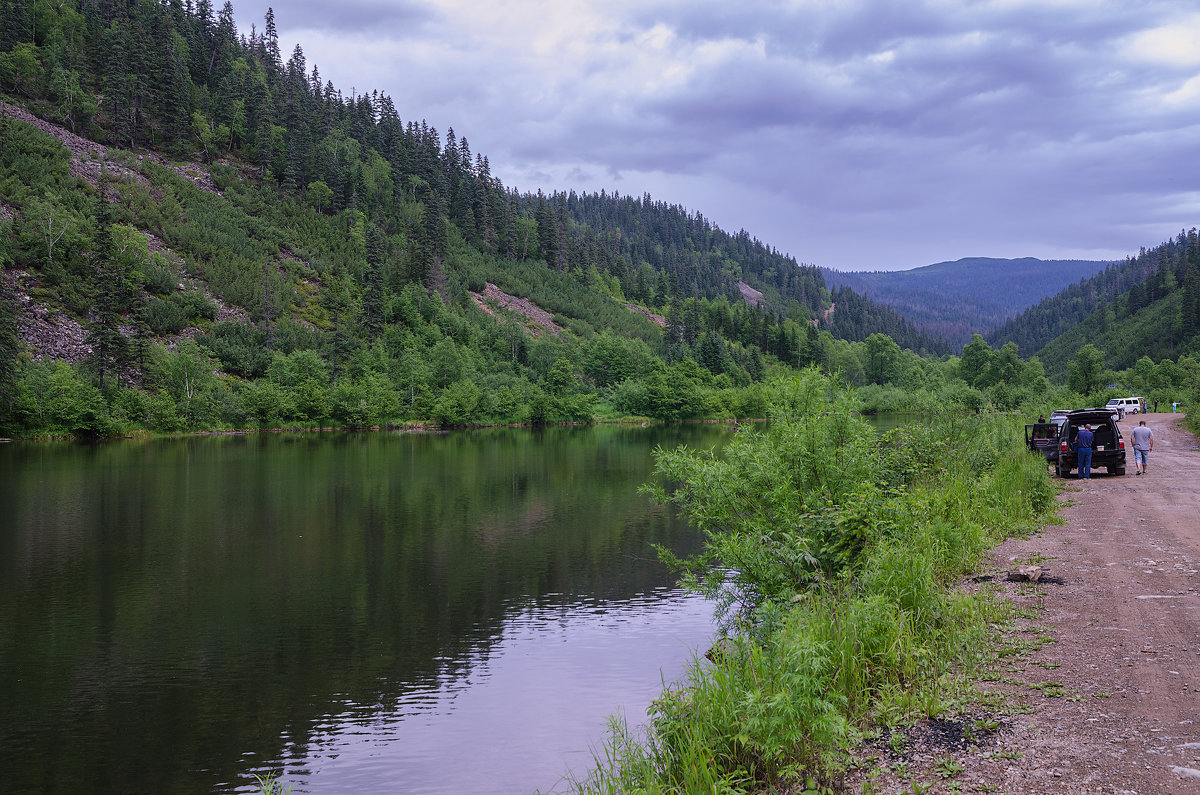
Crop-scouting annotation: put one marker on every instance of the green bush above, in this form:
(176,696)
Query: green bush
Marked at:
(161,414)
(195,305)
(266,403)
(157,280)
(54,398)
(458,404)
(241,347)
(832,549)
(165,317)
(365,401)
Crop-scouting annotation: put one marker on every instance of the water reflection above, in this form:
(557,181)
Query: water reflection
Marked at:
(177,613)
(514,714)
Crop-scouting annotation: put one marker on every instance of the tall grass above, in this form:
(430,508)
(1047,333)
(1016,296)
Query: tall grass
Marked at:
(833,551)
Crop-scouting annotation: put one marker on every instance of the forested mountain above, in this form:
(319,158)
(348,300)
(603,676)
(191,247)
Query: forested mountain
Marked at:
(967,296)
(1138,282)
(1148,306)
(856,317)
(222,238)
(701,260)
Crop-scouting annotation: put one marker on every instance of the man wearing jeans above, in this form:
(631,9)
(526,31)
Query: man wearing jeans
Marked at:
(1083,446)
(1143,443)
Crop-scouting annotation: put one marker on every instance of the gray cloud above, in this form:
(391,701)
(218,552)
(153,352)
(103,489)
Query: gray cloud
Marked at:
(393,18)
(851,134)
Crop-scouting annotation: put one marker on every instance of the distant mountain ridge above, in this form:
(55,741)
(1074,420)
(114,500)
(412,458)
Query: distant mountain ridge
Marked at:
(1147,306)
(969,295)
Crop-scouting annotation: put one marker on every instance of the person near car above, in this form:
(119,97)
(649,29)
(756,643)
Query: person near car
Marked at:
(1143,443)
(1084,439)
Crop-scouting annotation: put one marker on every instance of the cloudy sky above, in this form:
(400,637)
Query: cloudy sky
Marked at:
(855,135)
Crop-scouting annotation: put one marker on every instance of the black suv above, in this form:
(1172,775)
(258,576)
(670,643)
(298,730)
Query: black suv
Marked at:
(1108,449)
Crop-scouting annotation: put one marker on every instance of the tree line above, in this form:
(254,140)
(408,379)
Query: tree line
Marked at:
(1125,288)
(330,226)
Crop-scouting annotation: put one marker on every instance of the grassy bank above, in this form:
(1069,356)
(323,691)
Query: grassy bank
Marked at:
(830,554)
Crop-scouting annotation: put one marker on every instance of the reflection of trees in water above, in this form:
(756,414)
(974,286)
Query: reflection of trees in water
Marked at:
(174,603)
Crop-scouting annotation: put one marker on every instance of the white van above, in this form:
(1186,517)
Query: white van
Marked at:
(1123,406)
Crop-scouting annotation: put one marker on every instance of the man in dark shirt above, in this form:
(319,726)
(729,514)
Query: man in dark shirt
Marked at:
(1083,446)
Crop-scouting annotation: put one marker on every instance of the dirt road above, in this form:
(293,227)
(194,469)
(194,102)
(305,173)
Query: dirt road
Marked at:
(1107,658)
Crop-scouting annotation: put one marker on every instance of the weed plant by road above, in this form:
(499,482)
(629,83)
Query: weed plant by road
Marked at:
(829,555)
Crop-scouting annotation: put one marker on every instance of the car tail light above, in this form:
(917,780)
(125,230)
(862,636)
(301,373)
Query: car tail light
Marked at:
(1121,443)
(1064,447)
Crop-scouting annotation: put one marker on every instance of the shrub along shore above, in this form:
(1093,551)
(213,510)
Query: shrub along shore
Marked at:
(830,554)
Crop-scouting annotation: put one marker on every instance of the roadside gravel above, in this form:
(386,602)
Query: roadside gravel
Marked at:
(1103,680)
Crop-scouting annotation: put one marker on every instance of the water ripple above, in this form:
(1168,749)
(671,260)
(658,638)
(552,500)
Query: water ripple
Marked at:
(515,713)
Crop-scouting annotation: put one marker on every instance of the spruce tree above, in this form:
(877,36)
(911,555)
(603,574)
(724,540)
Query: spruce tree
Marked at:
(1189,308)
(272,59)
(10,347)
(373,287)
(110,351)
(16,24)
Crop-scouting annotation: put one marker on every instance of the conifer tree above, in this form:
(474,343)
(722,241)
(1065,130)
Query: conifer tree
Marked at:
(110,352)
(272,59)
(1189,306)
(373,287)
(16,23)
(9,349)
(119,102)
(421,252)
(547,231)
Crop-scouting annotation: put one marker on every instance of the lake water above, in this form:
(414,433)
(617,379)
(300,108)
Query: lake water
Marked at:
(373,612)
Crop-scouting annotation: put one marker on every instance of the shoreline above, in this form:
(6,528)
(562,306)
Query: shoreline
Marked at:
(414,428)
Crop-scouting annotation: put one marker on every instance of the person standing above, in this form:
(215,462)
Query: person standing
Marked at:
(1155,405)
(1143,443)
(1083,447)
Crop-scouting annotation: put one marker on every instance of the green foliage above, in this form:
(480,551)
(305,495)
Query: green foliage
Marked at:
(458,404)
(266,403)
(1087,371)
(1147,306)
(368,231)
(157,279)
(56,399)
(839,548)
(335,228)
(303,380)
(271,785)
(9,350)
(611,359)
(364,401)
(786,507)
(165,317)
(240,347)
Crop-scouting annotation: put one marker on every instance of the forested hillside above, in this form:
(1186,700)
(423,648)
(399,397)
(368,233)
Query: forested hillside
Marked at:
(1147,307)
(967,296)
(217,237)
(1034,328)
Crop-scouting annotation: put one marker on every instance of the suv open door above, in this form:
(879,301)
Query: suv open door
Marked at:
(1042,437)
